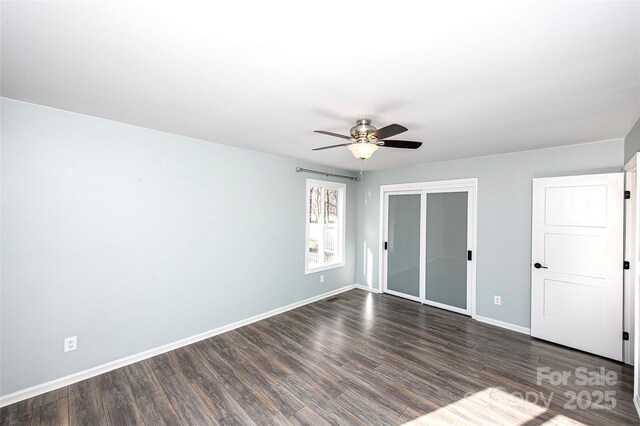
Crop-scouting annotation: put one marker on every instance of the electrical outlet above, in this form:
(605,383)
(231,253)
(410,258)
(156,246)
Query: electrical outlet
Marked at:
(71,343)
(497,300)
(321,278)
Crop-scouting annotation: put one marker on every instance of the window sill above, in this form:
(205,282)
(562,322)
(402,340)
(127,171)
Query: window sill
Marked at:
(323,268)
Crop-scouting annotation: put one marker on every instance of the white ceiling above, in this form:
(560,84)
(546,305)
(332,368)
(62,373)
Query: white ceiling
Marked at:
(467,79)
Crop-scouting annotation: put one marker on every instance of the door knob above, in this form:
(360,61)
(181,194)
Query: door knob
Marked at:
(538,266)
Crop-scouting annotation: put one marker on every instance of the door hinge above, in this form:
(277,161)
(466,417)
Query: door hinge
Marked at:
(627,195)
(625,335)
(469,255)
(385,245)
(626,264)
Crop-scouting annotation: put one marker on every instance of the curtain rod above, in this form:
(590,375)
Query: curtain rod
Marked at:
(300,169)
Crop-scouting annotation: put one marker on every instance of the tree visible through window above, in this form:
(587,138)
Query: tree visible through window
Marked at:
(325,225)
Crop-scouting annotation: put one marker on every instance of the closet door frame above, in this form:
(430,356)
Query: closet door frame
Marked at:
(458,185)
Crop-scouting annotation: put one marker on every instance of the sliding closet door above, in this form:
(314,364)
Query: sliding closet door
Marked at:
(403,245)
(446,249)
(428,242)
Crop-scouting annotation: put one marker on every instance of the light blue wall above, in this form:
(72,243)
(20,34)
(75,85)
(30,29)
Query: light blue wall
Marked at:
(504,215)
(632,142)
(131,238)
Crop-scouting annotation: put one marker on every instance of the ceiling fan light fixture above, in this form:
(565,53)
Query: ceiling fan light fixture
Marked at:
(362,151)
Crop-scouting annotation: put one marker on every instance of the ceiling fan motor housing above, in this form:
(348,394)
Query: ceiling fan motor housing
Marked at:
(362,129)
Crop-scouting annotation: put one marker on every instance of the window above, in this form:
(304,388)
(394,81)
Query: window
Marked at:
(325,225)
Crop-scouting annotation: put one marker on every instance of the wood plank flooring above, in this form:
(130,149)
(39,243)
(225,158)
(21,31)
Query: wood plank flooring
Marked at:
(361,359)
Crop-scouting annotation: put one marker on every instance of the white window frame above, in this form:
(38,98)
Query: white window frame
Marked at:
(342,197)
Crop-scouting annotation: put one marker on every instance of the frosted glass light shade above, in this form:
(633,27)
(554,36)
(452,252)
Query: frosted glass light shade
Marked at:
(362,151)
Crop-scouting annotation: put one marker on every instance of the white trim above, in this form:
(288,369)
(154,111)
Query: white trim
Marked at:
(473,209)
(447,307)
(507,325)
(632,164)
(101,369)
(631,278)
(444,185)
(342,220)
(423,247)
(324,267)
(381,239)
(403,295)
(630,253)
(367,288)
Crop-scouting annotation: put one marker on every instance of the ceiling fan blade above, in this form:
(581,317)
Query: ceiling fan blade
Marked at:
(333,134)
(400,144)
(388,131)
(330,146)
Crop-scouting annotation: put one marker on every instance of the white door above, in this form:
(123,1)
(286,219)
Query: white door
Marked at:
(577,262)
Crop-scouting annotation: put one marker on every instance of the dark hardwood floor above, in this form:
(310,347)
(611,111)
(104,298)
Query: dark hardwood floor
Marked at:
(361,359)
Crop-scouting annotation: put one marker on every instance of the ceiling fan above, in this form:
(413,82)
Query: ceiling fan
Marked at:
(365,139)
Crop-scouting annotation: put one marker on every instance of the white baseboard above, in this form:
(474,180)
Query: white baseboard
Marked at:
(503,324)
(100,369)
(636,402)
(367,288)
(486,320)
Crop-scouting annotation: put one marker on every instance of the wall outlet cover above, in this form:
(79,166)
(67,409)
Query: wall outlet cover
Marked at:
(497,300)
(71,343)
